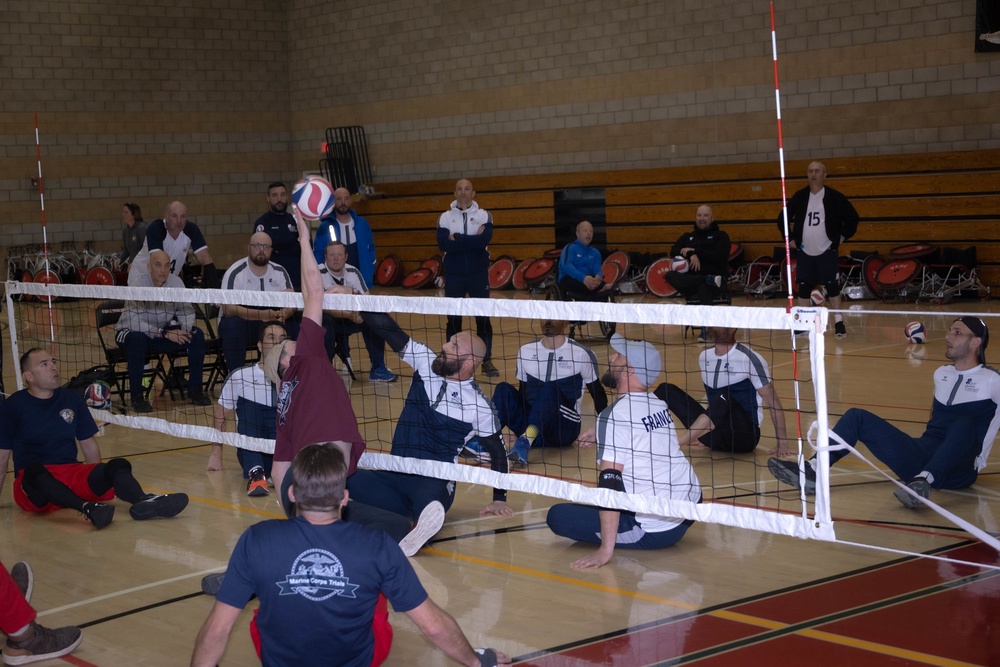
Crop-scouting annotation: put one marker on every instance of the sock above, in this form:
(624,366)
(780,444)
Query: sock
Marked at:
(19,635)
(837,317)
(925,475)
(531,433)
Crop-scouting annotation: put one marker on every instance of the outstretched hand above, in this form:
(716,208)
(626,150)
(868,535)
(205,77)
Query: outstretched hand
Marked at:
(497,508)
(594,560)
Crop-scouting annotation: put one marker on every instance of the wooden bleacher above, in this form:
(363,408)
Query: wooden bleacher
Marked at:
(947,199)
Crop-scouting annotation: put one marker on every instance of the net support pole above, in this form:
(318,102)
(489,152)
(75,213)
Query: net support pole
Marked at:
(45,238)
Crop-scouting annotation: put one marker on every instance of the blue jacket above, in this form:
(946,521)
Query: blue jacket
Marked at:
(579,261)
(329,228)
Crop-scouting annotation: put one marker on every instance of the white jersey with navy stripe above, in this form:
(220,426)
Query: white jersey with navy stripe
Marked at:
(637,432)
(240,277)
(349,277)
(742,370)
(250,383)
(462,400)
(157,238)
(973,394)
(537,363)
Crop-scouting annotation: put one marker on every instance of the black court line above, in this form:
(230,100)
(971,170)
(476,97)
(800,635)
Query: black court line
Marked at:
(498,531)
(138,610)
(613,634)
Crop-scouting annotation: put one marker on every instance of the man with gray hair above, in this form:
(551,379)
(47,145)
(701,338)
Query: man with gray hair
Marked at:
(639,452)
(174,235)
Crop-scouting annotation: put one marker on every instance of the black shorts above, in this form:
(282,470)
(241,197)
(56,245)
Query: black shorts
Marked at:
(818,270)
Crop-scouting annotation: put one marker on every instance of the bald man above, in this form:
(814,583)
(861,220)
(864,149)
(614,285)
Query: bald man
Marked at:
(174,235)
(346,226)
(706,248)
(580,267)
(240,325)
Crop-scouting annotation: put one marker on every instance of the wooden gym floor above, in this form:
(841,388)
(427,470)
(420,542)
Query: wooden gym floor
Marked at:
(722,596)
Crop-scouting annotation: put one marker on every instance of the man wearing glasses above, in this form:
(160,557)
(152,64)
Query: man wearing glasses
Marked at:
(240,325)
(965,417)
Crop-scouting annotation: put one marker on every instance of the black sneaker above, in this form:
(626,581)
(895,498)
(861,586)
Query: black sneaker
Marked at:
(211,583)
(920,487)
(788,472)
(162,506)
(141,405)
(99,514)
(23,578)
(489,370)
(257,484)
(40,643)
(199,399)
(840,330)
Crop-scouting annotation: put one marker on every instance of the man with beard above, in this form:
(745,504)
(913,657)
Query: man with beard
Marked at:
(239,325)
(352,230)
(965,418)
(444,410)
(639,452)
(544,410)
(279,224)
(175,235)
(706,248)
(738,385)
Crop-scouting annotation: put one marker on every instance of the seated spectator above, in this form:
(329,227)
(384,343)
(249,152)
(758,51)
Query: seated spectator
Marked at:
(41,426)
(706,248)
(337,272)
(544,410)
(252,396)
(175,235)
(346,226)
(133,233)
(160,326)
(580,276)
(239,325)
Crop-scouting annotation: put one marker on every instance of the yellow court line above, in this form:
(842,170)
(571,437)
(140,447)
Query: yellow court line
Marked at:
(874,647)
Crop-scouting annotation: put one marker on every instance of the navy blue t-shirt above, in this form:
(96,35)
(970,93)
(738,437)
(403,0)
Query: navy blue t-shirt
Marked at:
(284,242)
(44,430)
(318,586)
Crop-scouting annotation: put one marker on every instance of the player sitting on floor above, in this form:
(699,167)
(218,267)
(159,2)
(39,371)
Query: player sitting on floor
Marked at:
(955,446)
(40,425)
(544,410)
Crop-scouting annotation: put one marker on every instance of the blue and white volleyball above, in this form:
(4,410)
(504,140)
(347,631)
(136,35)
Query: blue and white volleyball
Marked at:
(915,333)
(98,395)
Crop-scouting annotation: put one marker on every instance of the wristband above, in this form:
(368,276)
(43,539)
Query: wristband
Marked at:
(487,657)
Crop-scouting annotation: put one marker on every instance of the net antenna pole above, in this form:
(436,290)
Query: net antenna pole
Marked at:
(45,238)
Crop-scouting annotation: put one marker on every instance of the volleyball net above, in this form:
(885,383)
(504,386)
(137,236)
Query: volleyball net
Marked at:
(737,489)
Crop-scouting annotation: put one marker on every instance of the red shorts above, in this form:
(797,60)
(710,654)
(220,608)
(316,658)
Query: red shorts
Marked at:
(73,475)
(380,626)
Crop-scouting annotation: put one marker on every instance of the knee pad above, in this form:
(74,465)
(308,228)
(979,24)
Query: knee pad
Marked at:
(805,291)
(832,289)
(114,466)
(32,472)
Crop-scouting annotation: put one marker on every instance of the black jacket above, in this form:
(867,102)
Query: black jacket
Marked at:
(711,246)
(841,218)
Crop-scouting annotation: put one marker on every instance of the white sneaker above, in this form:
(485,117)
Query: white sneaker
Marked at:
(428,524)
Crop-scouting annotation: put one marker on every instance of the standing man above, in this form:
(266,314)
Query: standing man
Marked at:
(544,410)
(463,235)
(639,452)
(279,224)
(337,272)
(965,418)
(238,325)
(738,386)
(248,392)
(580,267)
(706,248)
(819,219)
(330,576)
(352,230)
(174,235)
(160,326)
(41,426)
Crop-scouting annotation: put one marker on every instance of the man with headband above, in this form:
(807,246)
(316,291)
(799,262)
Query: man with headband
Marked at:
(955,445)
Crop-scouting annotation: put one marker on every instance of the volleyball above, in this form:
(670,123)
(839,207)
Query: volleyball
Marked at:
(818,297)
(679,265)
(98,395)
(915,332)
(314,197)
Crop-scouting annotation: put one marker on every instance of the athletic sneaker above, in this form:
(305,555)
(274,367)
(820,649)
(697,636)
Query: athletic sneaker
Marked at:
(920,487)
(141,405)
(211,583)
(489,370)
(381,374)
(474,450)
(163,506)
(199,399)
(428,524)
(788,472)
(257,484)
(23,578)
(99,514)
(518,454)
(40,643)
(840,330)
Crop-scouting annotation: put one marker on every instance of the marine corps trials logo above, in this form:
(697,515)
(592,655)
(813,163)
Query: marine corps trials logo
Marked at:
(317,575)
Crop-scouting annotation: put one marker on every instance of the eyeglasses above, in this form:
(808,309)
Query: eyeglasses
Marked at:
(260,246)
